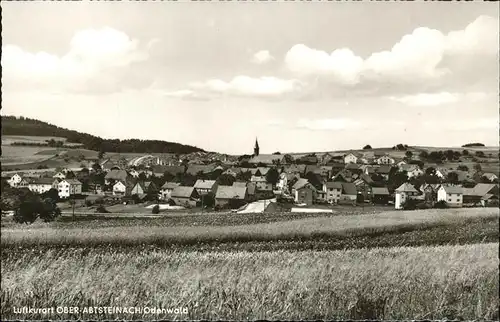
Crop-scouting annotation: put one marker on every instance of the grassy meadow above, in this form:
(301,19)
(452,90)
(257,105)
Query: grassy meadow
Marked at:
(391,265)
(456,282)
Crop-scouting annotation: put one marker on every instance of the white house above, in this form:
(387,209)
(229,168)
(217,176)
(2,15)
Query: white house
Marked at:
(350,158)
(119,189)
(59,175)
(15,180)
(441,173)
(134,173)
(403,193)
(452,195)
(69,187)
(41,185)
(385,159)
(412,170)
(284,181)
(204,187)
(333,191)
(261,183)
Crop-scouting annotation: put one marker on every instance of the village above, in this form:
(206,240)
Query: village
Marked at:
(308,182)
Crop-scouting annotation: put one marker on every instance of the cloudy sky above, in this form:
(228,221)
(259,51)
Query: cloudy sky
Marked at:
(299,76)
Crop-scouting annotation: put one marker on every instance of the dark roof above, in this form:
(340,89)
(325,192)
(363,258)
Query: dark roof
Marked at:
(380,191)
(333,184)
(183,192)
(349,188)
(170,185)
(43,181)
(266,158)
(72,181)
(239,184)
(383,169)
(231,192)
(453,189)
(352,166)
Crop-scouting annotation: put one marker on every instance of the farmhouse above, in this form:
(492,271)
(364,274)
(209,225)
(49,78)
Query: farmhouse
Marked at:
(350,158)
(185,196)
(412,170)
(380,195)
(452,195)
(304,192)
(204,187)
(333,191)
(119,189)
(41,185)
(284,180)
(261,183)
(349,194)
(167,188)
(490,176)
(227,195)
(430,192)
(385,159)
(69,187)
(251,188)
(403,193)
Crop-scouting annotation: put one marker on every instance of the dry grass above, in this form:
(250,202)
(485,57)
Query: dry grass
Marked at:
(306,228)
(399,283)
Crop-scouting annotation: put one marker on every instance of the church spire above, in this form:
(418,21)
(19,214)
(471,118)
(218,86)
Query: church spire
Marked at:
(256,148)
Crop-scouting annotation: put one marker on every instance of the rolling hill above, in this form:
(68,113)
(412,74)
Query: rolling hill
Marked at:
(21,126)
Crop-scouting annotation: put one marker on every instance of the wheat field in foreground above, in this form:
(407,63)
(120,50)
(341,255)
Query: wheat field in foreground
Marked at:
(384,283)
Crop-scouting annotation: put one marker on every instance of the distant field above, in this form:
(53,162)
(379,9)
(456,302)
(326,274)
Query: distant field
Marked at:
(23,154)
(9,139)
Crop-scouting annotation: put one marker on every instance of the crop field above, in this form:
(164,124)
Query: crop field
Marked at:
(9,139)
(456,282)
(391,265)
(23,154)
(306,228)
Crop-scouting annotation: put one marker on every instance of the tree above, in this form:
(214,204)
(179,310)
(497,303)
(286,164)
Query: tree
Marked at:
(367,147)
(32,208)
(409,154)
(226,180)
(101,154)
(288,159)
(424,155)
(277,153)
(314,180)
(465,152)
(70,175)
(156,209)
(97,167)
(52,194)
(244,176)
(478,168)
(462,168)
(452,177)
(272,176)
(142,176)
(470,145)
(167,177)
(480,154)
(401,147)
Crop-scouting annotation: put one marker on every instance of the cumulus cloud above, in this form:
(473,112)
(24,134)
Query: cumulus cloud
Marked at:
(264,87)
(420,56)
(328,124)
(435,99)
(92,52)
(262,57)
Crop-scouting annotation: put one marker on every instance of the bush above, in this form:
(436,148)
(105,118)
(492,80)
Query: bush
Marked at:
(171,202)
(441,205)
(367,147)
(155,210)
(410,204)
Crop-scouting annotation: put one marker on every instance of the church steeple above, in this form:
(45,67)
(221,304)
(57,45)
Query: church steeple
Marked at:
(256,148)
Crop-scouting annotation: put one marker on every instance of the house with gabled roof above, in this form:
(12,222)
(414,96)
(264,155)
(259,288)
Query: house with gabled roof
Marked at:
(364,185)
(380,195)
(41,185)
(167,188)
(403,193)
(185,196)
(227,194)
(385,159)
(351,158)
(452,195)
(349,194)
(69,187)
(204,187)
(267,159)
(304,192)
(333,190)
(490,176)
(117,175)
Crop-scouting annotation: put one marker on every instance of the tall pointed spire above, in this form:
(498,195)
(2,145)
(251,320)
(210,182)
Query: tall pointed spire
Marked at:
(256,148)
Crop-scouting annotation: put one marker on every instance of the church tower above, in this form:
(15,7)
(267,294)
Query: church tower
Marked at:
(256,148)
